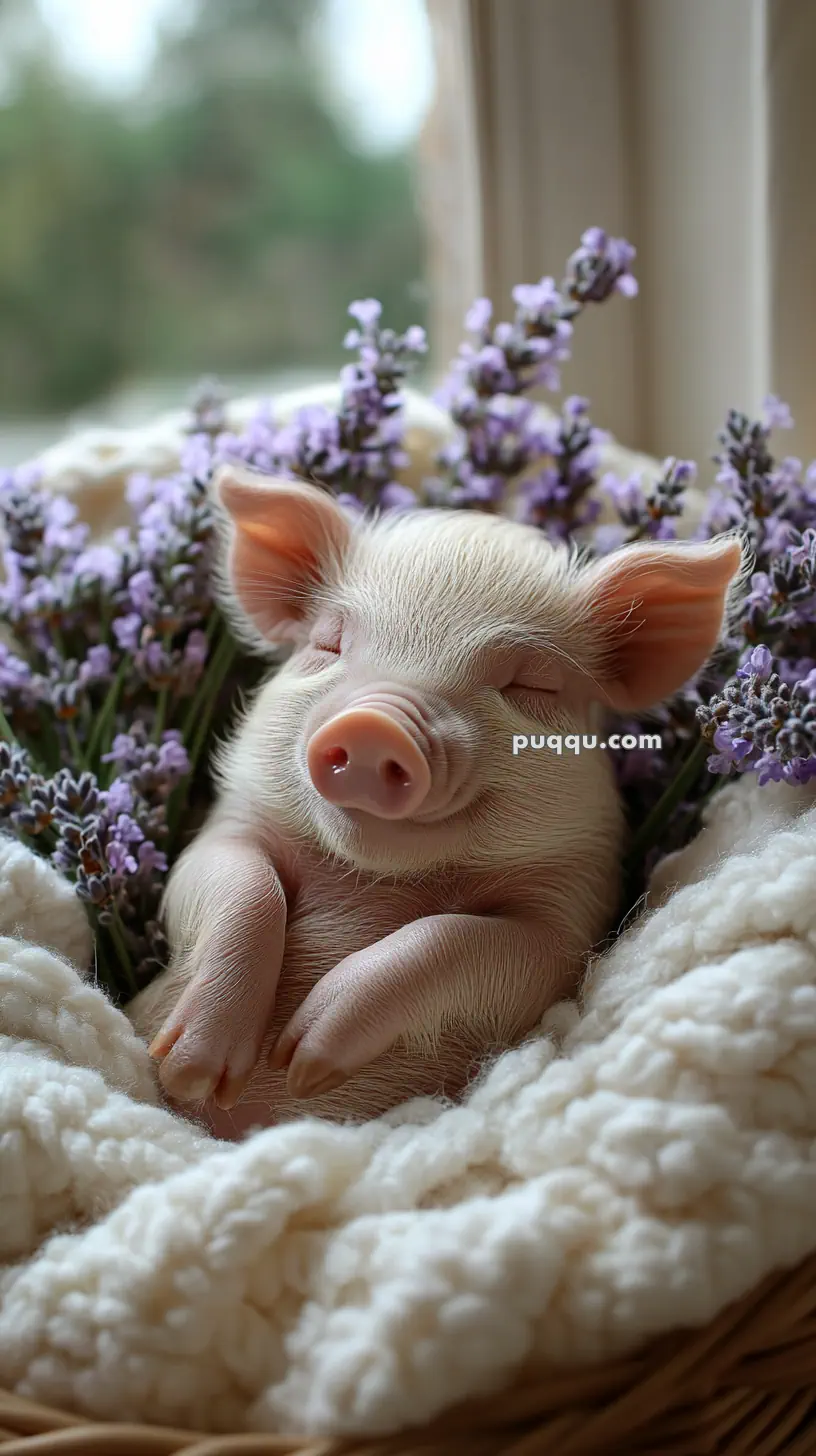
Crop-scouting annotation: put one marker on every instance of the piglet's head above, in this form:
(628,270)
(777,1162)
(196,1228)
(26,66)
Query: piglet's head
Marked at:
(424,643)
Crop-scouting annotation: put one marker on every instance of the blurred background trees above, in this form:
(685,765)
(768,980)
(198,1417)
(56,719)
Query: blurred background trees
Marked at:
(218,220)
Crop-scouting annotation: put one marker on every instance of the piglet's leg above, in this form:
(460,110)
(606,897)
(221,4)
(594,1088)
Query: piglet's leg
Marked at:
(492,973)
(226,916)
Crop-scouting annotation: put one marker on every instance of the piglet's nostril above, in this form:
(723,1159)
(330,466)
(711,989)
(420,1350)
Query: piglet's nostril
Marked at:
(396,774)
(337,759)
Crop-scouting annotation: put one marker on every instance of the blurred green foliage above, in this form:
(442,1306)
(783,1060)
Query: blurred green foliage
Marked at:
(222,224)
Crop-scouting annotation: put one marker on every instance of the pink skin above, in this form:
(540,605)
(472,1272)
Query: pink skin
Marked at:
(210,1044)
(396,967)
(365,759)
(383,895)
(388,755)
(368,968)
(412,979)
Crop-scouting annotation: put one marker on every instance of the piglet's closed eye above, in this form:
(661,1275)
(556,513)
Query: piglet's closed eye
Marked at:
(661,609)
(287,537)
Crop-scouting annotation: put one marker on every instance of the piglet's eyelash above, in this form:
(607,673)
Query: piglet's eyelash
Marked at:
(535,692)
(329,642)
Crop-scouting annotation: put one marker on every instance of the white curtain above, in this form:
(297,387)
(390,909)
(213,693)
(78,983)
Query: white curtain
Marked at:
(688,126)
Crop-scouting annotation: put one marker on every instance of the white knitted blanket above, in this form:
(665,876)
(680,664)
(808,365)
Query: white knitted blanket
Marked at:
(636,1167)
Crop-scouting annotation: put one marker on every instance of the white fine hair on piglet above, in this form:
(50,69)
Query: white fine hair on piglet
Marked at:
(385,890)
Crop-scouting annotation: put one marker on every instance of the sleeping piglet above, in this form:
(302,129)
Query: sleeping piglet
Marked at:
(385,893)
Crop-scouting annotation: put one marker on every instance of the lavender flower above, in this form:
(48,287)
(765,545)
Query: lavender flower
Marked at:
(748,476)
(777,416)
(500,434)
(357,452)
(263,445)
(600,267)
(117,644)
(557,499)
(762,724)
(648,514)
(208,409)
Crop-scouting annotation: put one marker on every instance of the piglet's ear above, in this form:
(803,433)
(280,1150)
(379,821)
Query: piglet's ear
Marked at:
(287,538)
(661,609)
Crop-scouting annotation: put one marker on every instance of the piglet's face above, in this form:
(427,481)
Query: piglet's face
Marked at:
(423,644)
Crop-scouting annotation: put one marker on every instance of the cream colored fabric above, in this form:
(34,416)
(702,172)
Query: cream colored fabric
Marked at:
(634,1168)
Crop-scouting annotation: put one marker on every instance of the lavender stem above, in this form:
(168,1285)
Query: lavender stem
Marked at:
(6,730)
(222,660)
(106,712)
(161,714)
(649,832)
(117,937)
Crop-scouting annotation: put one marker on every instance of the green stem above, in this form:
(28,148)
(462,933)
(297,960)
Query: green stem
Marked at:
(103,971)
(203,691)
(106,712)
(45,842)
(117,936)
(649,831)
(205,704)
(76,747)
(163,695)
(52,747)
(6,730)
(161,714)
(223,658)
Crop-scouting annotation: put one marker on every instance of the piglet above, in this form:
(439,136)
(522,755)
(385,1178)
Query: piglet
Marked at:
(385,893)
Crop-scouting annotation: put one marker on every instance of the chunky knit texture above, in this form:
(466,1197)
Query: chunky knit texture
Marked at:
(639,1164)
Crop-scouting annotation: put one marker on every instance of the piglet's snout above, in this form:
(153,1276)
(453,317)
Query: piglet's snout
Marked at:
(364,758)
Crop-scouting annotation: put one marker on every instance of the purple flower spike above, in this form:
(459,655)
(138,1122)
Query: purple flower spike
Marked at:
(142,591)
(396,497)
(759,664)
(478,316)
(776,414)
(196,649)
(118,799)
(366,311)
(537,301)
(416,340)
(98,664)
(150,858)
(173,759)
(127,631)
(509,360)
(734,748)
(601,266)
(357,451)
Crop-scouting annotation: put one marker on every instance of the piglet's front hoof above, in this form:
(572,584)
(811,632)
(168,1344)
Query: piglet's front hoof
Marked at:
(196,1069)
(309,1074)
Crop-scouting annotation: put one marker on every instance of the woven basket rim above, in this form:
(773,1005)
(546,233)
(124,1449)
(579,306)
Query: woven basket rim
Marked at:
(754,1363)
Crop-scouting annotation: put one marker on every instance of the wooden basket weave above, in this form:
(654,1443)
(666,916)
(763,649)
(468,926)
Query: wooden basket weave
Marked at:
(744,1385)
